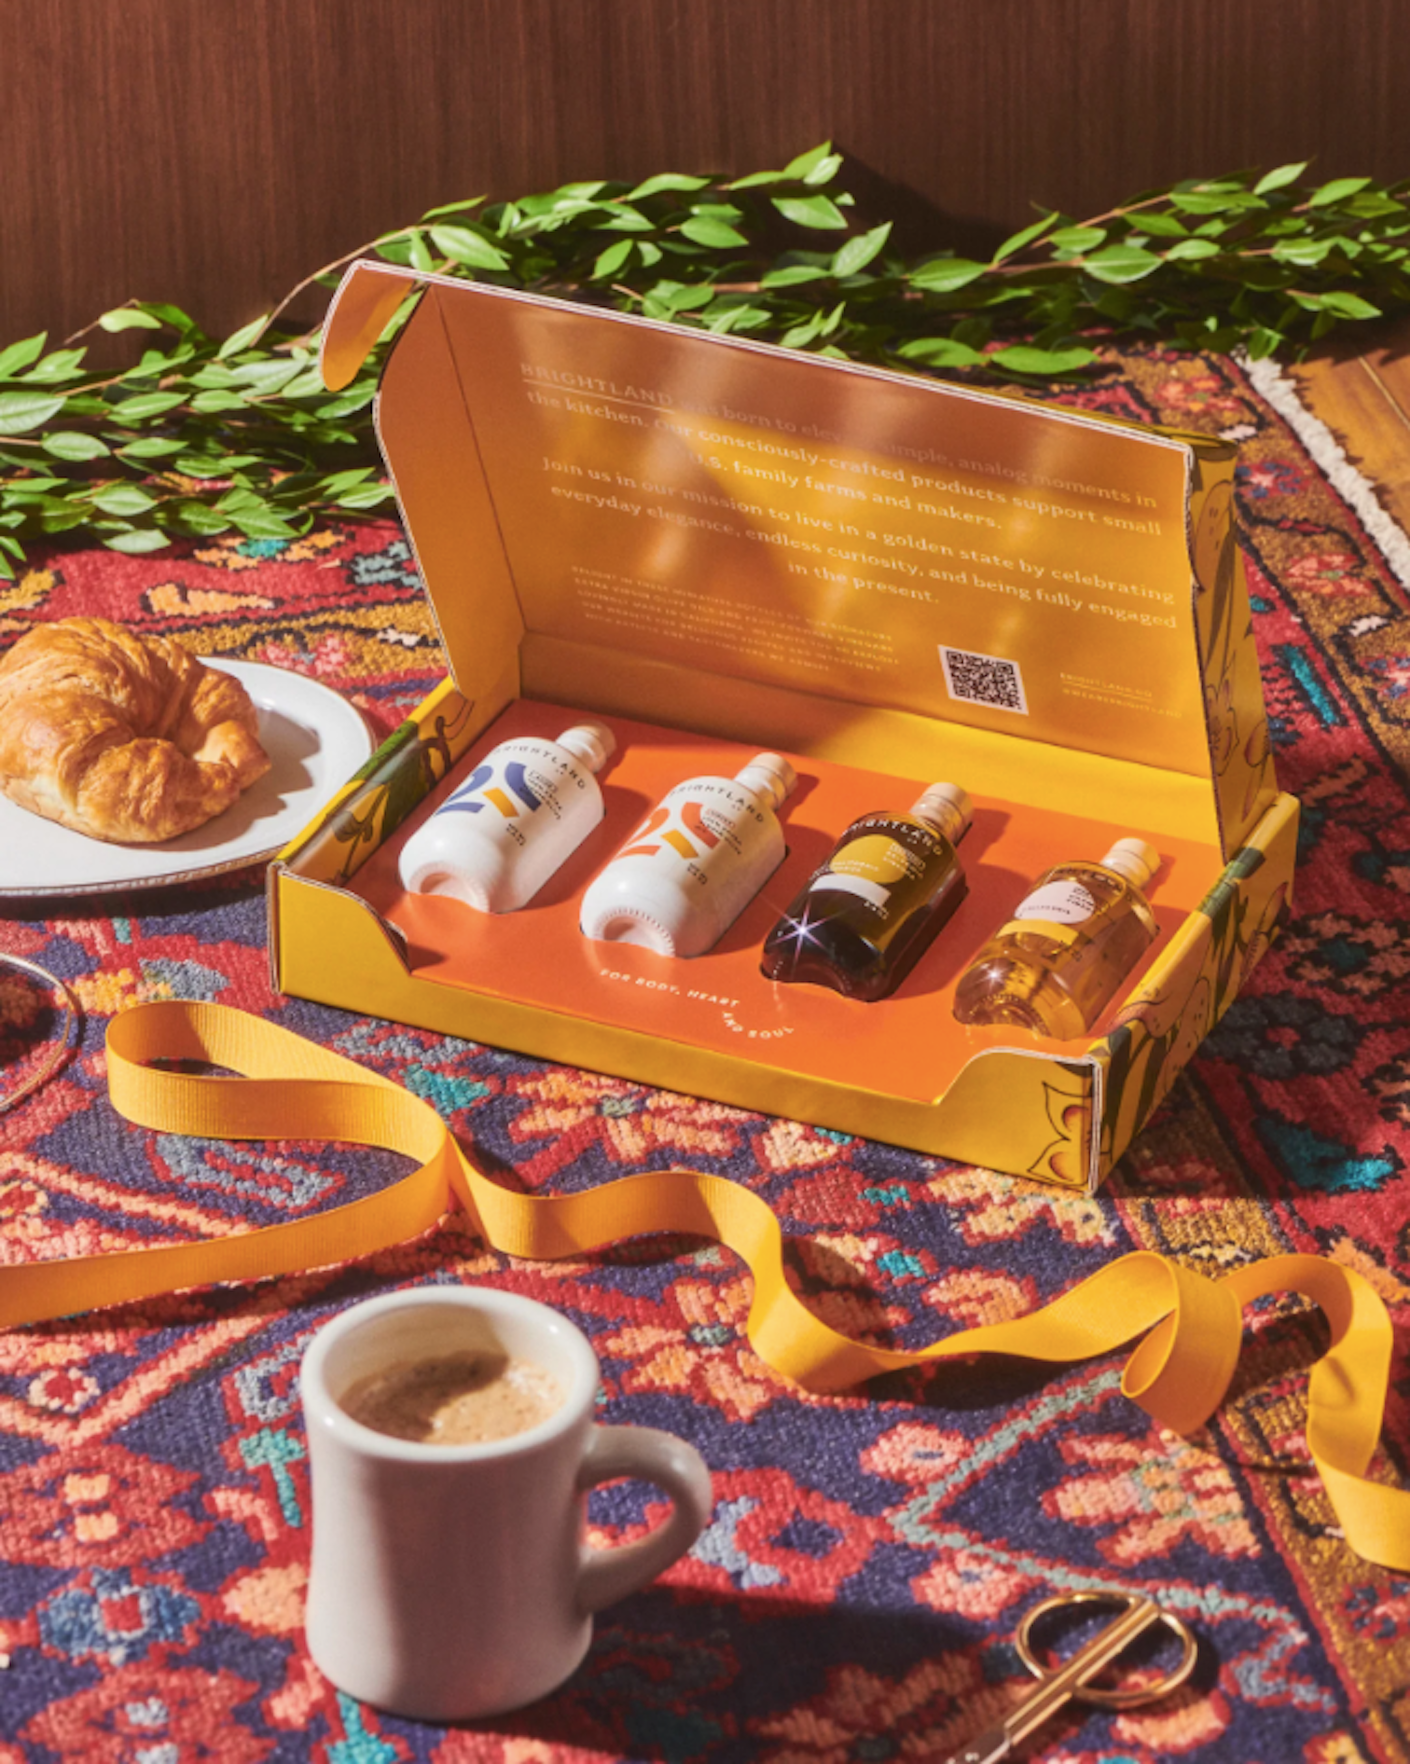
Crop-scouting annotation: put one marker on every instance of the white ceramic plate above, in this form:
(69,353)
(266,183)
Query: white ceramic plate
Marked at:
(316,740)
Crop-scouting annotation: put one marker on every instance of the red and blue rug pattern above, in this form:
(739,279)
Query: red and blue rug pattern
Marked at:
(855,1597)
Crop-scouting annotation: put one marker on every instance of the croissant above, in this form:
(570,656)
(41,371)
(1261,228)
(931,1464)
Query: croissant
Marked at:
(123,737)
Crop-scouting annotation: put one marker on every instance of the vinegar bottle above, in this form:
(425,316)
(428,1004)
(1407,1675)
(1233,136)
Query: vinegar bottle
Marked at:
(1070,943)
(500,835)
(862,921)
(694,864)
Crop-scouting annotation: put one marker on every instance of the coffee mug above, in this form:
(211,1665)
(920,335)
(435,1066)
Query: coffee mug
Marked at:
(451,1581)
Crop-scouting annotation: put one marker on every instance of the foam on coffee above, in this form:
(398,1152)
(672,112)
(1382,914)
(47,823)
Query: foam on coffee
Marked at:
(466,1398)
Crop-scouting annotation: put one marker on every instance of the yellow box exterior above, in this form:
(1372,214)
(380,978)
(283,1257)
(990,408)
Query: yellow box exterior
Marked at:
(1016,1110)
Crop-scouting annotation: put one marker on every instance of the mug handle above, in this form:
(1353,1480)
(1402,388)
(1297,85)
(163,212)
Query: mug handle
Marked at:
(679,1471)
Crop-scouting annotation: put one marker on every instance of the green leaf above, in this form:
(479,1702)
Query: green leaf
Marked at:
(201,465)
(792,275)
(129,318)
(1261,342)
(1020,359)
(1336,191)
(703,231)
(1025,236)
(263,524)
(1304,253)
(665,181)
(1164,226)
(122,499)
(20,355)
(149,447)
(242,339)
(1214,201)
(22,411)
(1350,306)
(755,179)
(463,245)
(355,398)
(173,316)
(940,352)
(63,364)
(73,444)
(308,384)
(944,275)
(627,220)
(1191,250)
(338,482)
(452,208)
(212,403)
(137,540)
(1371,204)
(799,336)
(672,297)
(857,253)
(197,519)
(1073,239)
(420,258)
(826,169)
(809,161)
(263,376)
(817,212)
(611,260)
(367,496)
(1279,177)
(62,517)
(1121,263)
(146,404)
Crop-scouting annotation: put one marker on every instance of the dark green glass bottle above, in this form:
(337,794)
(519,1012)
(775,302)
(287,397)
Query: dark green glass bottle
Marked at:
(864,918)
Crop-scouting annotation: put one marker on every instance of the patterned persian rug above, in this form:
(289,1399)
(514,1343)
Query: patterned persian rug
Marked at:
(856,1594)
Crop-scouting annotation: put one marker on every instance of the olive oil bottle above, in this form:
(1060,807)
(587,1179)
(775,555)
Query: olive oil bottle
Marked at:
(1071,941)
(864,918)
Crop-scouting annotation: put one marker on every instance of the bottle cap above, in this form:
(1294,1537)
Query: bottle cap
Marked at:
(947,807)
(593,744)
(768,774)
(1133,859)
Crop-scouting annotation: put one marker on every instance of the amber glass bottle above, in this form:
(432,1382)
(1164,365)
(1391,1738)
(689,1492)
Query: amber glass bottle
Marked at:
(862,920)
(1072,940)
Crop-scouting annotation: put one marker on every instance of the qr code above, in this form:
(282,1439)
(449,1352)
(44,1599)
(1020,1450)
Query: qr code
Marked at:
(984,679)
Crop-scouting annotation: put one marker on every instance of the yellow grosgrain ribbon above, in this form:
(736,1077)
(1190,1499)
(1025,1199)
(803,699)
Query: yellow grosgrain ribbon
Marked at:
(291,1089)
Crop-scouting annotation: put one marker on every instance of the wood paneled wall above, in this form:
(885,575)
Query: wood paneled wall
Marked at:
(214,151)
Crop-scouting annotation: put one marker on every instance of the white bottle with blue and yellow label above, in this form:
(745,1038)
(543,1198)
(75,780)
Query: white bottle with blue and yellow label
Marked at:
(524,809)
(695,863)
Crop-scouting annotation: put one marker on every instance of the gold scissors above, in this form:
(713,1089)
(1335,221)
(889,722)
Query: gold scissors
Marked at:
(1061,1684)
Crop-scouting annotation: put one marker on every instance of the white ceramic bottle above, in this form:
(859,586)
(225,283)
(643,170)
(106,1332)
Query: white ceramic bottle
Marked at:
(695,863)
(501,834)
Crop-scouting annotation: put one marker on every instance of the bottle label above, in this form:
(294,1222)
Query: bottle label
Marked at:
(518,780)
(838,882)
(701,831)
(1060,903)
(517,792)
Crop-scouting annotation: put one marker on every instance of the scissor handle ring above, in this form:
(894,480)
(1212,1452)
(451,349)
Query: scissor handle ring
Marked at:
(59,1049)
(1116,1698)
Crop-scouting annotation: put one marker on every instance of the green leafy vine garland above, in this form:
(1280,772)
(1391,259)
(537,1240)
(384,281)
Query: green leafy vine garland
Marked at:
(203,436)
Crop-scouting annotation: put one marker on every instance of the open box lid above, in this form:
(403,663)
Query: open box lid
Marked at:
(632,515)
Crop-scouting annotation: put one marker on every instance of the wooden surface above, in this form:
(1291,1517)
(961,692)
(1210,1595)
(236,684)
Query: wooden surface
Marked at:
(1363,396)
(212,153)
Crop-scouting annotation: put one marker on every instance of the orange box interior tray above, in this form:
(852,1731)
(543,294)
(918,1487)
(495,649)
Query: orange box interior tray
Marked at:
(908,1045)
